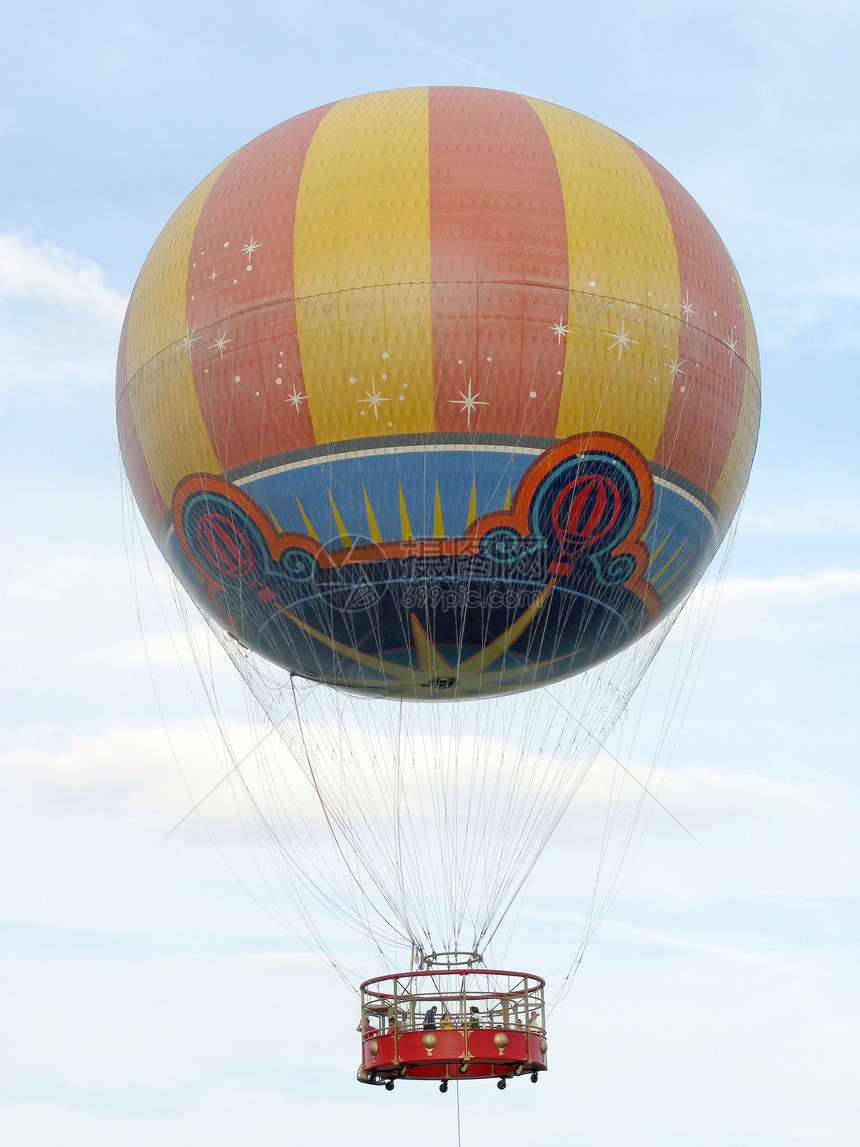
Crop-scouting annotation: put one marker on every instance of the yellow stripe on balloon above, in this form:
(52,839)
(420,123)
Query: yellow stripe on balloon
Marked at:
(362,269)
(615,350)
(728,491)
(161,392)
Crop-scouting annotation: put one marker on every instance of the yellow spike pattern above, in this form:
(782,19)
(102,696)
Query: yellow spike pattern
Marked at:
(311,531)
(471,515)
(345,539)
(438,524)
(654,578)
(405,527)
(656,553)
(372,527)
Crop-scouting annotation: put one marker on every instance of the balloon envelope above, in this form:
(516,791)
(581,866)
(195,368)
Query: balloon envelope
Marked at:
(438,392)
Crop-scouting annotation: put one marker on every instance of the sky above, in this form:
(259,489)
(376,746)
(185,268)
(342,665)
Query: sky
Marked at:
(146,995)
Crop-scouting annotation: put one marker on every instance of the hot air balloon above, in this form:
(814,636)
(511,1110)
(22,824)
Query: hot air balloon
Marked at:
(439,395)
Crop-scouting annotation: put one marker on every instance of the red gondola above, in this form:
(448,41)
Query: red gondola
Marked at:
(452,1022)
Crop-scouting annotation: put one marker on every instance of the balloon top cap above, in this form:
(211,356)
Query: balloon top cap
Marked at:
(453,959)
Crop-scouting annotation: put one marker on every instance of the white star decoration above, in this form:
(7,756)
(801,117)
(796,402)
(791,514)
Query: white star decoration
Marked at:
(468,402)
(731,343)
(296,398)
(214,275)
(220,343)
(250,247)
(560,329)
(190,339)
(374,399)
(621,339)
(676,367)
(686,307)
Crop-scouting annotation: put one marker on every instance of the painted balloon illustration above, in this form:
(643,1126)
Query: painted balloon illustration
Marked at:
(438,393)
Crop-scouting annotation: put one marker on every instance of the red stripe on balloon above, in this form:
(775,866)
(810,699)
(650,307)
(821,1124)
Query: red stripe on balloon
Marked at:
(496,218)
(240,300)
(709,380)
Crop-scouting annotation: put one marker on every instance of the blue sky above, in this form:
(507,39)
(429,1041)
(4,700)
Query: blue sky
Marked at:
(145,996)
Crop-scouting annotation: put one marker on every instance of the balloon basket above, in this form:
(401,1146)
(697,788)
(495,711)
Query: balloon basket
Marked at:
(452,1024)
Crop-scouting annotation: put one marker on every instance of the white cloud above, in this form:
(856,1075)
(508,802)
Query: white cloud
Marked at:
(249,962)
(260,815)
(716,803)
(113,52)
(785,603)
(805,518)
(815,319)
(41,355)
(122,766)
(703,795)
(792,590)
(468,65)
(785,961)
(43,272)
(843,286)
(298,16)
(83,616)
(60,321)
